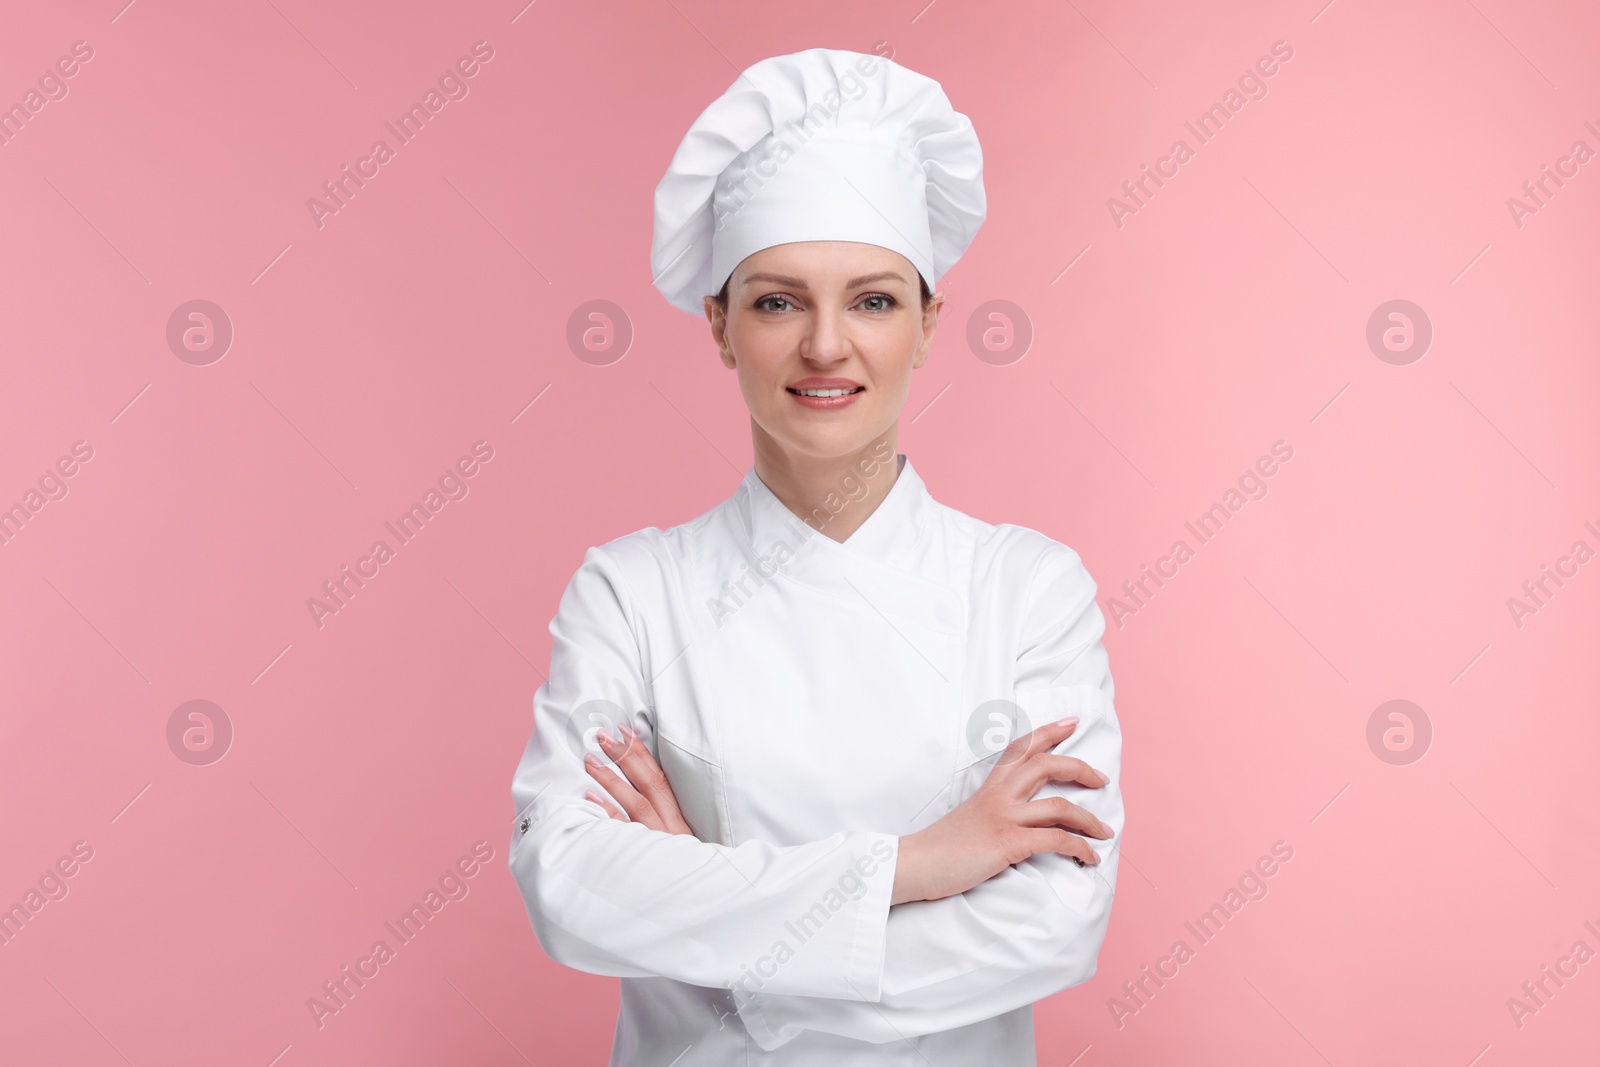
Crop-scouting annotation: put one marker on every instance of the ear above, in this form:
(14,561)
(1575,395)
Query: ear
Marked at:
(930,326)
(719,330)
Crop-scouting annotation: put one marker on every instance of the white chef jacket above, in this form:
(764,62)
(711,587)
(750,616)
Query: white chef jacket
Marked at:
(810,702)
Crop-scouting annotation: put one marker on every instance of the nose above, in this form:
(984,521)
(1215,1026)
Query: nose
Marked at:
(827,341)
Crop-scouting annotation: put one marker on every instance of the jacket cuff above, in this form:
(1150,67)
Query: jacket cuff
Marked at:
(861,973)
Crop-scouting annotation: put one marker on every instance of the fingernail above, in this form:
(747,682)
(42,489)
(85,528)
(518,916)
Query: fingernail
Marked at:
(604,737)
(593,759)
(1068,721)
(1105,830)
(627,731)
(1102,776)
(590,794)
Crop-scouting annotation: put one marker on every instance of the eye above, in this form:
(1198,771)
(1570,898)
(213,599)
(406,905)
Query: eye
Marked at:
(889,302)
(761,305)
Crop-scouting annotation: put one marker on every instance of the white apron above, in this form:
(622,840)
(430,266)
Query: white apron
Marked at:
(811,702)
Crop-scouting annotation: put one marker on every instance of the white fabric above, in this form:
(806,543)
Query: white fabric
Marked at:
(821,145)
(803,733)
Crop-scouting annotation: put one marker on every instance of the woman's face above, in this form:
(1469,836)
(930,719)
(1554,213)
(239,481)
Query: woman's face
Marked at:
(824,315)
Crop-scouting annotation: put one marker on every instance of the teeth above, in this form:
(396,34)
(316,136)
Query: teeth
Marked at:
(824,392)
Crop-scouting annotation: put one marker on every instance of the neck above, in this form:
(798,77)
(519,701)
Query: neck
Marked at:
(832,494)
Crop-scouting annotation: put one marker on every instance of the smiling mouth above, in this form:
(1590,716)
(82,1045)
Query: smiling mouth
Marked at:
(827,392)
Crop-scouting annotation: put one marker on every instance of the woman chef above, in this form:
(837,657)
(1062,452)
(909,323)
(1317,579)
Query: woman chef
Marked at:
(857,749)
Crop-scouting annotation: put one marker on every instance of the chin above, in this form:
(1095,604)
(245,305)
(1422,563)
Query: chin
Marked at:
(831,445)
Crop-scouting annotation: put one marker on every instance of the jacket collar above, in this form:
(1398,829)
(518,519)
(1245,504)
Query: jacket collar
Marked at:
(889,565)
(887,537)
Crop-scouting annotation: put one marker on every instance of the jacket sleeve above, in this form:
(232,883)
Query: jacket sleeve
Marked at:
(618,898)
(1035,928)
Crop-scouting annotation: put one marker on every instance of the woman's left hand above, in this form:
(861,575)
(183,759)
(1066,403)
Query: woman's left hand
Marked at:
(644,794)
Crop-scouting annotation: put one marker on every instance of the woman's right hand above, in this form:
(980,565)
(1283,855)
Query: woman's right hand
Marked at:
(1001,824)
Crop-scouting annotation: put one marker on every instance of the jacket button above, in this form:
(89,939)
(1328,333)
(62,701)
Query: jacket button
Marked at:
(524,827)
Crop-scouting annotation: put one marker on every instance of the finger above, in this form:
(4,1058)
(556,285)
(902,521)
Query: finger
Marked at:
(1039,740)
(1049,767)
(645,779)
(605,805)
(645,773)
(1059,811)
(637,807)
(1063,843)
(1032,744)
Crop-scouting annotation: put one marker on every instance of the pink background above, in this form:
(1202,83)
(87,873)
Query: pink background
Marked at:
(369,354)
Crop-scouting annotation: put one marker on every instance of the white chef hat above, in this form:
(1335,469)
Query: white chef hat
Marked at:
(820,145)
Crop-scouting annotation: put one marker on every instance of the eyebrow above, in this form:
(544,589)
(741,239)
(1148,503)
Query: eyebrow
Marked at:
(799,283)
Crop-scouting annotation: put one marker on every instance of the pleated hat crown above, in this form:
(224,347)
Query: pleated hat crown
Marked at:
(820,145)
